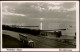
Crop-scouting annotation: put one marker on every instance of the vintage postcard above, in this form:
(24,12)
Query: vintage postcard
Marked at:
(40,26)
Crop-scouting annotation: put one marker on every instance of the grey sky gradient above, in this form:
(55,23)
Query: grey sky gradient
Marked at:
(56,14)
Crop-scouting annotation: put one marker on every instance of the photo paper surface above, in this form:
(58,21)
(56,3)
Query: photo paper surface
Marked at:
(40,25)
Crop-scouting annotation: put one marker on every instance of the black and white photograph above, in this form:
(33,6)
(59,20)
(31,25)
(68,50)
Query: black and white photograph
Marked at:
(33,24)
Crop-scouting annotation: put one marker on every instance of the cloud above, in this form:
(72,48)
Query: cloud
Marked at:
(7,10)
(72,9)
(38,8)
(55,3)
(53,13)
(13,14)
(54,8)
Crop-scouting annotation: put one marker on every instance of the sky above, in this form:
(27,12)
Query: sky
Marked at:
(54,15)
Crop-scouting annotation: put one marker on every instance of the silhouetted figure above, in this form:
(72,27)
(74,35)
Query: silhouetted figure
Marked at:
(59,34)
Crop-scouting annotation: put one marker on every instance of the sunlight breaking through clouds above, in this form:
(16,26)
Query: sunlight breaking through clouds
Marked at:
(58,6)
(50,11)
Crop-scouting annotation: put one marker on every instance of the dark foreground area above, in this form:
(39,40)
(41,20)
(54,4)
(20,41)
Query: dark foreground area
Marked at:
(11,40)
